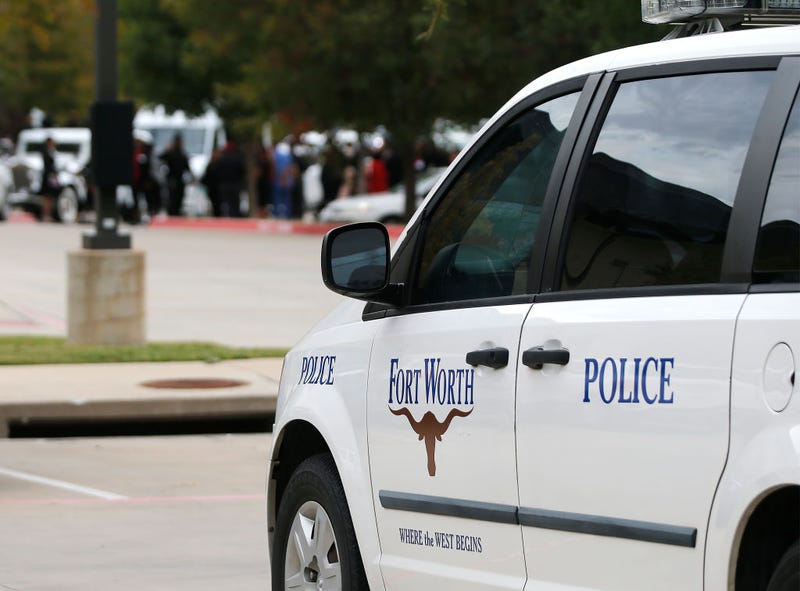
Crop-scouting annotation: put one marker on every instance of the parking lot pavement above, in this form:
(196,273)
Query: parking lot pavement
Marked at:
(236,288)
(156,513)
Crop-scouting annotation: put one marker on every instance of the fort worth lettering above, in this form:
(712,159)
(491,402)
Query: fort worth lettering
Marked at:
(440,387)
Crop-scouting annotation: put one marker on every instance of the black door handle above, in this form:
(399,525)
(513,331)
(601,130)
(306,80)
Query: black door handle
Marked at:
(536,357)
(494,358)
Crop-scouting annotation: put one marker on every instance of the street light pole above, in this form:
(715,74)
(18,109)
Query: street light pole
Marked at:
(106,278)
(112,135)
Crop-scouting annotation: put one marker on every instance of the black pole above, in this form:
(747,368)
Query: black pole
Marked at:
(112,135)
(106,50)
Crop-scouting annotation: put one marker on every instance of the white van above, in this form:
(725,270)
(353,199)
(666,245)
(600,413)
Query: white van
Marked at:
(577,369)
(201,136)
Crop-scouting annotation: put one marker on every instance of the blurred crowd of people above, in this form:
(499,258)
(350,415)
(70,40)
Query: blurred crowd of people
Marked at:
(289,180)
(282,175)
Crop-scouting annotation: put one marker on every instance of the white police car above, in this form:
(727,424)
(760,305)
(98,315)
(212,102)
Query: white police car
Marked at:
(578,370)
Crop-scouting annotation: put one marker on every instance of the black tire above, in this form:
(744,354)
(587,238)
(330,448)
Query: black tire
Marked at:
(66,207)
(313,486)
(787,574)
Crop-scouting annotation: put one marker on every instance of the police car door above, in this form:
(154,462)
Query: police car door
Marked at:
(623,392)
(442,371)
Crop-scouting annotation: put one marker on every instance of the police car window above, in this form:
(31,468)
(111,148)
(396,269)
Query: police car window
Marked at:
(480,237)
(653,204)
(778,248)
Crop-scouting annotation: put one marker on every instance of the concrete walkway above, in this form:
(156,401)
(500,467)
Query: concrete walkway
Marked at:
(120,391)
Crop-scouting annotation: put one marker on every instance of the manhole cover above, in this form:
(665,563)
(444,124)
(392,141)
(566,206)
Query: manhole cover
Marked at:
(193,383)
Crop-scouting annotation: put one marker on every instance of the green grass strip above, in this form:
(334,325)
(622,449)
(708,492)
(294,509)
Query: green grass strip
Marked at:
(28,350)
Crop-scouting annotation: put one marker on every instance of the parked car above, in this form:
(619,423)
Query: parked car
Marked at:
(577,368)
(73,151)
(388,207)
(6,186)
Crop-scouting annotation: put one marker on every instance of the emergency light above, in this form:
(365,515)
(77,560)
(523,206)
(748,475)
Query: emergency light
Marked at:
(755,11)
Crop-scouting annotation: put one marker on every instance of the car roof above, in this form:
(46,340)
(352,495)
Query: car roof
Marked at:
(59,134)
(749,42)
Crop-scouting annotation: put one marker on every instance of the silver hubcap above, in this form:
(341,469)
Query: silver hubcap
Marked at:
(312,556)
(67,206)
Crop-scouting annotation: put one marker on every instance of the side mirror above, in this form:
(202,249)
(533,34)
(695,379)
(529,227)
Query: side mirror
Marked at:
(355,262)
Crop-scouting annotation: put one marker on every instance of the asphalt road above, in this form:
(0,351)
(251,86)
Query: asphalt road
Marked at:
(234,288)
(155,513)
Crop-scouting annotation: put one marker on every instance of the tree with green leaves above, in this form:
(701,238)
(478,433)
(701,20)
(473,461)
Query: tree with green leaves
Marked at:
(397,63)
(46,48)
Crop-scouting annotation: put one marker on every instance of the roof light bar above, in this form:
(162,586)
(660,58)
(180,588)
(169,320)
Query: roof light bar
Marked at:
(684,11)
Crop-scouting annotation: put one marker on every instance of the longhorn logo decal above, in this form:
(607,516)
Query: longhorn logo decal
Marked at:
(431,430)
(435,386)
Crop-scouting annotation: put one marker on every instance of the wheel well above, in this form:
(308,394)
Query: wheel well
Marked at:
(773,526)
(300,440)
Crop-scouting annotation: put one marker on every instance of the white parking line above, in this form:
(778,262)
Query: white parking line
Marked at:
(85,490)
(139,500)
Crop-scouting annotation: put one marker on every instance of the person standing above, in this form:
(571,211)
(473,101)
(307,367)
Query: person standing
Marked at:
(285,178)
(376,175)
(265,174)
(331,174)
(49,187)
(177,164)
(144,182)
(230,173)
(211,182)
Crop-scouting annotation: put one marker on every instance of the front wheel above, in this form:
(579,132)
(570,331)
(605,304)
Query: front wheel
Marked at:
(787,574)
(66,210)
(315,547)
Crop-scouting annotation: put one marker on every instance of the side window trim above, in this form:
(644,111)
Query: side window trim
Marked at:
(587,86)
(588,134)
(751,194)
(557,179)
(707,66)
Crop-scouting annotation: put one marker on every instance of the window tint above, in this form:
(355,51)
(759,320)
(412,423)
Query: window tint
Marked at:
(778,248)
(480,237)
(653,205)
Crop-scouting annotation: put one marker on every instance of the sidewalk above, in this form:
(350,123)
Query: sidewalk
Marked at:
(118,391)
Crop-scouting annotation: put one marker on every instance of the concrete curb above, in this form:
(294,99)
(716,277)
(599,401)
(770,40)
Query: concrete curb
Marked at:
(115,392)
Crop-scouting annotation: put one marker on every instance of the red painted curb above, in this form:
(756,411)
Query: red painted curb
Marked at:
(21,217)
(268,226)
